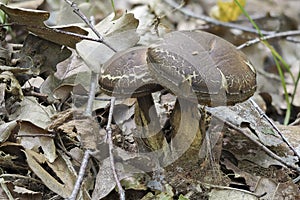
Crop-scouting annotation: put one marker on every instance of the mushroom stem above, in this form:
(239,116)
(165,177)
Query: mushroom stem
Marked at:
(148,124)
(187,139)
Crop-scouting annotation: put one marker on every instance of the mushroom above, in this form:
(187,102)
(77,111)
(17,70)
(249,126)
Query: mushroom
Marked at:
(199,67)
(126,75)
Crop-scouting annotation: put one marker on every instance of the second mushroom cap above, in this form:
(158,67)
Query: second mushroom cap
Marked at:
(197,64)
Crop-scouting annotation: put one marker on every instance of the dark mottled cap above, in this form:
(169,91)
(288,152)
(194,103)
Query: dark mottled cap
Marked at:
(126,74)
(196,63)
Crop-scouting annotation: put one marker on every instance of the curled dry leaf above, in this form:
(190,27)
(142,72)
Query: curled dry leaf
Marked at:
(64,185)
(6,130)
(13,87)
(33,20)
(245,115)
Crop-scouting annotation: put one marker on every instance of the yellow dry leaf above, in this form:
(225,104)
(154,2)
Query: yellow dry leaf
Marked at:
(227,10)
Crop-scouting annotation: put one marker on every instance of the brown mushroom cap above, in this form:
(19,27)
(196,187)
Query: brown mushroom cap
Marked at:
(126,74)
(213,68)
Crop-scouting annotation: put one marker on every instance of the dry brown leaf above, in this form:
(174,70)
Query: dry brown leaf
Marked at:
(12,156)
(67,179)
(39,115)
(12,85)
(245,113)
(33,20)
(6,130)
(40,55)
(105,181)
(31,4)
(229,194)
(34,143)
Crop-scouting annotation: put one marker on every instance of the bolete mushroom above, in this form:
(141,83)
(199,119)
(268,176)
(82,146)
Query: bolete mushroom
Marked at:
(209,64)
(126,75)
(199,67)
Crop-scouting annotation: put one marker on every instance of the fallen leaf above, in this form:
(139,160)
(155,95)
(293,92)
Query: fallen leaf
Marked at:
(13,87)
(229,194)
(40,55)
(34,143)
(33,20)
(32,4)
(64,185)
(39,115)
(244,114)
(105,181)
(12,156)
(6,130)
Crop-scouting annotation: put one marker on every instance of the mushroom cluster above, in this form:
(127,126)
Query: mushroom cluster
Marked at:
(197,67)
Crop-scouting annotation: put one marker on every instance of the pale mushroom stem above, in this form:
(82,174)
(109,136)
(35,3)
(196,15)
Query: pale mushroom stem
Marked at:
(187,139)
(148,124)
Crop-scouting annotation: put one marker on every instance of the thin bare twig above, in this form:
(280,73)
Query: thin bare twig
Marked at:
(81,173)
(92,93)
(88,112)
(232,189)
(110,146)
(77,11)
(189,13)
(292,39)
(87,153)
(37,135)
(275,35)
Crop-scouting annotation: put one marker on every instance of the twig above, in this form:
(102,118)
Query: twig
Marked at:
(77,11)
(296,180)
(88,112)
(214,21)
(274,127)
(275,35)
(110,146)
(82,96)
(81,173)
(233,189)
(92,92)
(37,135)
(71,34)
(292,39)
(18,177)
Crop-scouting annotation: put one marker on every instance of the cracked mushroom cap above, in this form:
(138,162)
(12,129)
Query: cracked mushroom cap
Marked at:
(202,65)
(126,74)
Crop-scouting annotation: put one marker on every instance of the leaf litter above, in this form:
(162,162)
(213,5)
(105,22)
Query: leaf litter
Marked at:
(42,139)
